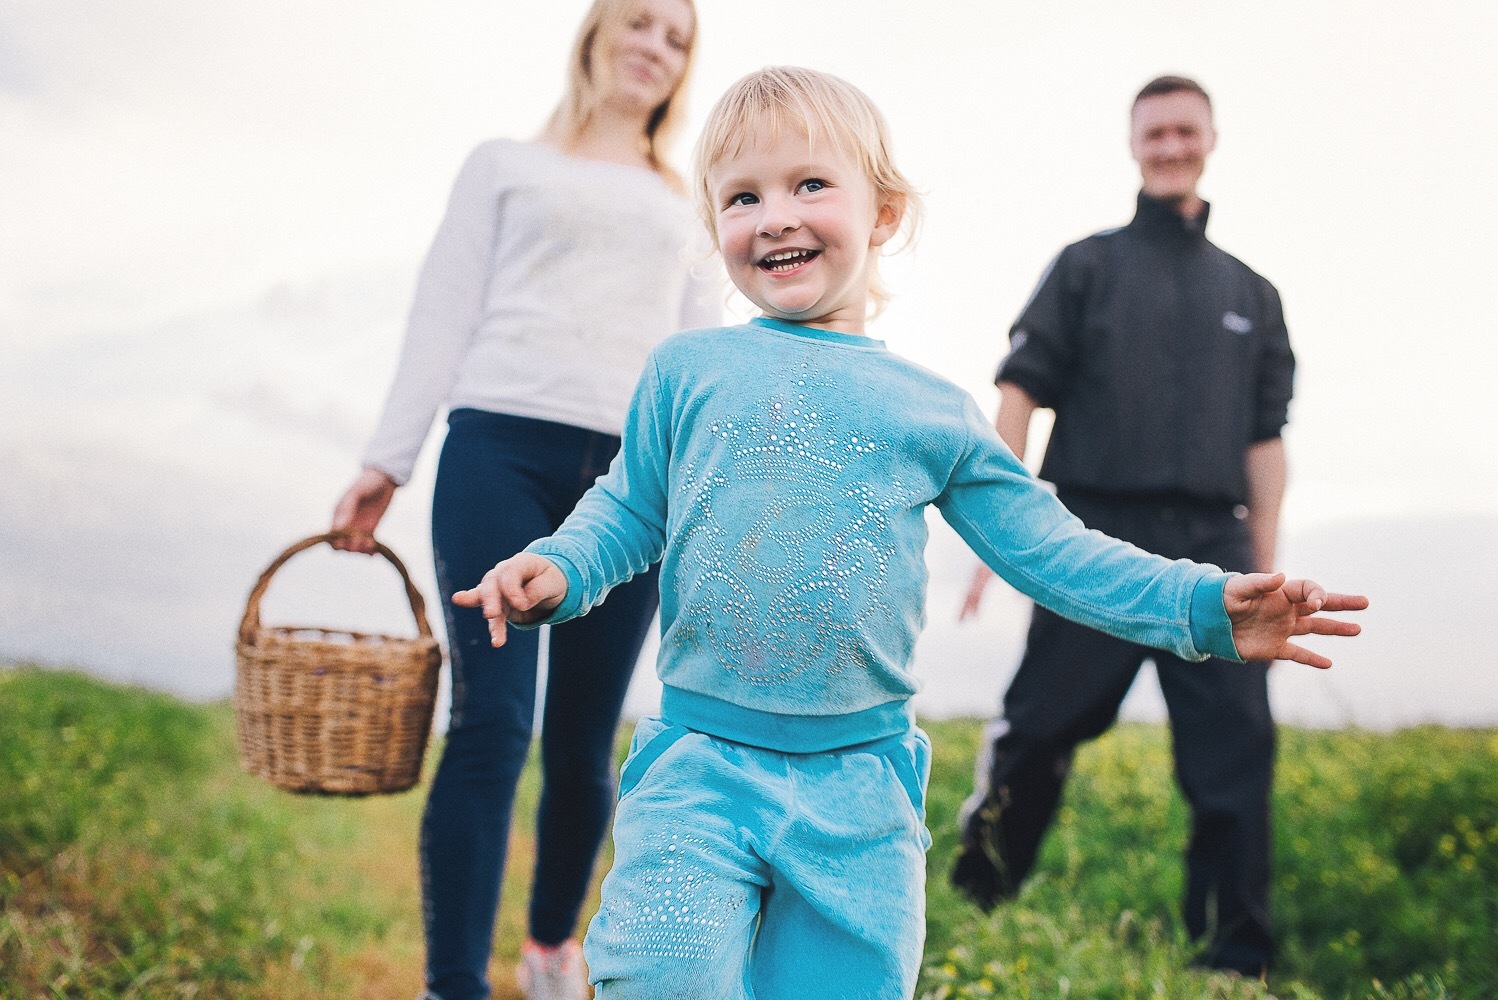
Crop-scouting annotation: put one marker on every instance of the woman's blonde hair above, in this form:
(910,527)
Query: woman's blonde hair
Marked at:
(820,106)
(580,102)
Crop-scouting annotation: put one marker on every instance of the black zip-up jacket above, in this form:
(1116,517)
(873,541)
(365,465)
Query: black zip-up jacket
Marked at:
(1163,356)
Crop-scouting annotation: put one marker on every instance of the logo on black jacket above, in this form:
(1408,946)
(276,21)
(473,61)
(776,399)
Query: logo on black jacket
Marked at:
(1237,324)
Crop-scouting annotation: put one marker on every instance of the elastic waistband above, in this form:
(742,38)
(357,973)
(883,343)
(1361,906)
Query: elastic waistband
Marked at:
(786,733)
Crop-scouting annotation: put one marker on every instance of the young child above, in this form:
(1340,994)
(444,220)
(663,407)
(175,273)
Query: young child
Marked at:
(769,836)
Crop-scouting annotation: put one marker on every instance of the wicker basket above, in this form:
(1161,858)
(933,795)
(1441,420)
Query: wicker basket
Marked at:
(332,712)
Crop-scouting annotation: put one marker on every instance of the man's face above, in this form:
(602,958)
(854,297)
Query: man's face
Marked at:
(1170,137)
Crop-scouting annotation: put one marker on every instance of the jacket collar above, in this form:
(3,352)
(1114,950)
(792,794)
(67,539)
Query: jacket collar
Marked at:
(1157,217)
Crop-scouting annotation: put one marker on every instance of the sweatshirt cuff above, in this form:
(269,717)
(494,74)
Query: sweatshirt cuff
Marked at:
(1211,629)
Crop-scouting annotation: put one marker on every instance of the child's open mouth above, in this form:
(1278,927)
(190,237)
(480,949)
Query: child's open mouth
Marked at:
(787,260)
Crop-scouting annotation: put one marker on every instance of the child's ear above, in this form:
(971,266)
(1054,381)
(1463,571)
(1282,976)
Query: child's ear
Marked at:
(887,222)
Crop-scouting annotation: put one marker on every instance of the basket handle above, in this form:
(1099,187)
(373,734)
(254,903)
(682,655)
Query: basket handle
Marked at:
(251,621)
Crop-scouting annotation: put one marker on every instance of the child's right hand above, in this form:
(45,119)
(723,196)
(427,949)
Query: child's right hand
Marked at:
(524,588)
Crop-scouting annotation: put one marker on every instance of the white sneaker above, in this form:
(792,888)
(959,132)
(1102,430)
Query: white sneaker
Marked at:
(552,973)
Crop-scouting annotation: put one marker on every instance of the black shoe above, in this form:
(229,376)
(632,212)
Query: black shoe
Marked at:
(977,877)
(981,872)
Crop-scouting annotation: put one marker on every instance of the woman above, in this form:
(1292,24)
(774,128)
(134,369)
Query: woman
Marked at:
(559,264)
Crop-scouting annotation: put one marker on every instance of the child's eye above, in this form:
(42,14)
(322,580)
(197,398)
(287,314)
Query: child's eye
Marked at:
(812,186)
(741,199)
(677,42)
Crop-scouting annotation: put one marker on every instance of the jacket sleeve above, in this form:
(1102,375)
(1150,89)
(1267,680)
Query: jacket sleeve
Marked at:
(1276,382)
(447,309)
(1043,341)
(1025,535)
(618,528)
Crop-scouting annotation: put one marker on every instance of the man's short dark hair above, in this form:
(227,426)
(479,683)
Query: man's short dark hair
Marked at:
(1171,85)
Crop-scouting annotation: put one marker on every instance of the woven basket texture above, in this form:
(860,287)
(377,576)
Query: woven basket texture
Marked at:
(326,711)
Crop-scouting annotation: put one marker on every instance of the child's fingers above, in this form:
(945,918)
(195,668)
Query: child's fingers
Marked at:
(489,597)
(1290,651)
(517,596)
(1307,593)
(1251,585)
(493,608)
(1246,592)
(498,630)
(1344,602)
(1326,626)
(513,591)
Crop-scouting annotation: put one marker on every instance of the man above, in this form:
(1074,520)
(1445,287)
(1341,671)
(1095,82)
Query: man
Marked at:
(1168,367)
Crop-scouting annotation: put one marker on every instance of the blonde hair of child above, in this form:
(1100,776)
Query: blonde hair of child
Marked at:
(580,101)
(822,107)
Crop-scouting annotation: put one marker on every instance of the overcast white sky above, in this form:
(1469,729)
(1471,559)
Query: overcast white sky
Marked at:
(211,216)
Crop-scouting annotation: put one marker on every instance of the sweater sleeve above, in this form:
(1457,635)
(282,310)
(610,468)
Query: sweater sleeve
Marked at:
(1040,548)
(447,309)
(618,528)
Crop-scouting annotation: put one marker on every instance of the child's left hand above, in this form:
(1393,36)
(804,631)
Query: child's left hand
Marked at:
(1266,610)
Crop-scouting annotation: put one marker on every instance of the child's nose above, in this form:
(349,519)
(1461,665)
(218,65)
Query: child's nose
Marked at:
(777,220)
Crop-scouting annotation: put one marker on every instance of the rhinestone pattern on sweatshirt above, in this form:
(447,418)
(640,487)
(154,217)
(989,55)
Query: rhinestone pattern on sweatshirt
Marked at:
(785,537)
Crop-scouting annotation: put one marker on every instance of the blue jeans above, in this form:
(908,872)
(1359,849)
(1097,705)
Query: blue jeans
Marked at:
(503,482)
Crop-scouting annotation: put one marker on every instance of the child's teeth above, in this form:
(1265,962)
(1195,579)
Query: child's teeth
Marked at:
(785,259)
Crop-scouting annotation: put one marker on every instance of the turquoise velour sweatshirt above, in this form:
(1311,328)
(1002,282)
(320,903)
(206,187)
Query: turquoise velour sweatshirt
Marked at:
(781,473)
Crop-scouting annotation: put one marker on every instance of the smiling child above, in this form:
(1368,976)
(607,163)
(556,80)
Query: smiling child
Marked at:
(769,836)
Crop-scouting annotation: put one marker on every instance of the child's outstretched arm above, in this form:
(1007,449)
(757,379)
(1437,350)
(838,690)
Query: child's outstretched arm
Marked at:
(1266,610)
(525,588)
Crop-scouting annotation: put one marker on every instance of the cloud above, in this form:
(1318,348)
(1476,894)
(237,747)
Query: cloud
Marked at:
(310,360)
(267,405)
(20,76)
(71,55)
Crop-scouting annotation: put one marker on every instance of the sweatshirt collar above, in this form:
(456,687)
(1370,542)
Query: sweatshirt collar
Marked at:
(1151,215)
(817,333)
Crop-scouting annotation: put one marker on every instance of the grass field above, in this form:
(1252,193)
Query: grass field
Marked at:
(136,861)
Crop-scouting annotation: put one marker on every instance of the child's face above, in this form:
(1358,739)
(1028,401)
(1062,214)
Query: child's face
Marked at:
(799,229)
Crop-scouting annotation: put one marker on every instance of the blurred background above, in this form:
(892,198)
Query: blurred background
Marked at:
(212,215)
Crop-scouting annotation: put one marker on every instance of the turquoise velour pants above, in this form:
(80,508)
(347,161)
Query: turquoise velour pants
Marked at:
(741,872)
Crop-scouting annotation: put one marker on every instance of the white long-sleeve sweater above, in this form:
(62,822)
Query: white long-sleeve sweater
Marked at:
(550,279)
